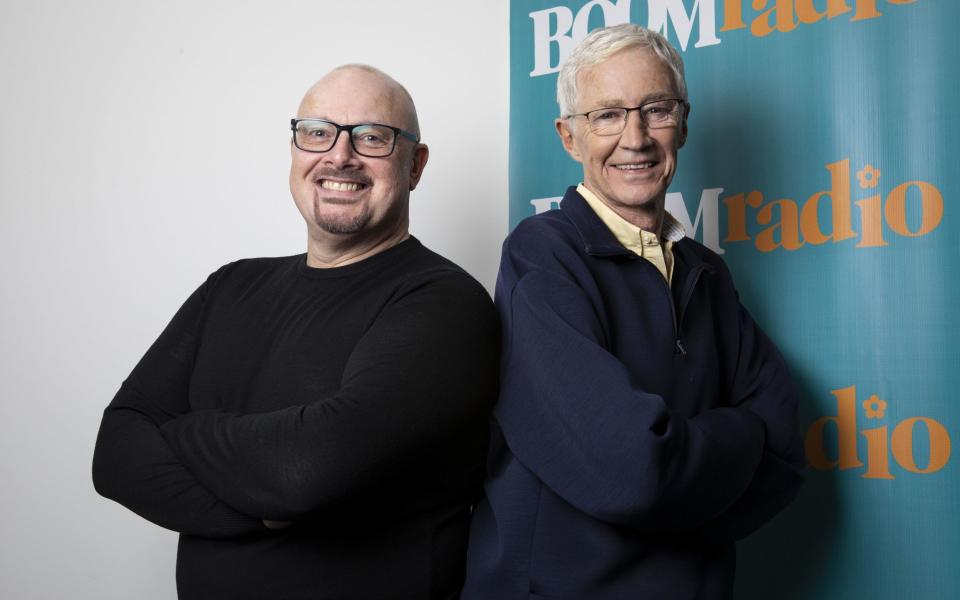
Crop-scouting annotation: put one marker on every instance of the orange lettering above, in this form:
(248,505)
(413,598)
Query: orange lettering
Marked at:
(810,222)
(871,223)
(732,15)
(807,13)
(866,9)
(789,227)
(846,421)
(931,205)
(902,445)
(836,8)
(878,460)
(736,219)
(839,194)
(782,10)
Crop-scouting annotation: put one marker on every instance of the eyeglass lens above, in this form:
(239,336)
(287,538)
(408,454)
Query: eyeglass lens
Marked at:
(369,140)
(609,121)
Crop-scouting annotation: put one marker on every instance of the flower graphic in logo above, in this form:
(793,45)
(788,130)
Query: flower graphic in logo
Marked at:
(875,407)
(868,177)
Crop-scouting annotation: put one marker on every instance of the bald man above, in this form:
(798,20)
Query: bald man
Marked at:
(314,426)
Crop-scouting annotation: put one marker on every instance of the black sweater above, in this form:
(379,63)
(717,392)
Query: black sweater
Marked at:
(352,401)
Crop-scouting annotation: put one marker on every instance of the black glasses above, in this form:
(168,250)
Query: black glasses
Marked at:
(368,139)
(657,114)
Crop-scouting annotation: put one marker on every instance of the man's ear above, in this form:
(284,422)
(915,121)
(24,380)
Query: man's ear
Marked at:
(566,137)
(417,163)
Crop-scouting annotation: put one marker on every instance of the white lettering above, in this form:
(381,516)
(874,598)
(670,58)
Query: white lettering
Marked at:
(662,10)
(614,13)
(542,205)
(542,38)
(708,210)
(570,30)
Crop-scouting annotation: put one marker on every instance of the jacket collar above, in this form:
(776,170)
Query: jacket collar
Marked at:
(598,240)
(596,237)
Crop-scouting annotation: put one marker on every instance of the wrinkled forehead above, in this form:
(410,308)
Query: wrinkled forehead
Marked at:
(349,96)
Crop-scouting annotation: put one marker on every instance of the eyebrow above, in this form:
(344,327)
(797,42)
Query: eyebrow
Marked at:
(607,102)
(610,102)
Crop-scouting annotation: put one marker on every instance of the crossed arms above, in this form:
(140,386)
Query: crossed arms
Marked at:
(421,374)
(574,415)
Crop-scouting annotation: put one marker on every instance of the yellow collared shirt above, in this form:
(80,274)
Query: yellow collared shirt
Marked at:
(642,243)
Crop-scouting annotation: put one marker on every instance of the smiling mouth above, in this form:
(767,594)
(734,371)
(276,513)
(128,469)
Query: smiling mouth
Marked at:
(639,166)
(341,186)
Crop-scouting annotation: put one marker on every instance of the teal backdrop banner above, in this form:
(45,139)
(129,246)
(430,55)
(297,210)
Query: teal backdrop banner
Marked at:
(821,163)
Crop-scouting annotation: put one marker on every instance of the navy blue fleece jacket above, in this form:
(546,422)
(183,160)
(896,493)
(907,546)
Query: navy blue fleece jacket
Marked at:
(641,429)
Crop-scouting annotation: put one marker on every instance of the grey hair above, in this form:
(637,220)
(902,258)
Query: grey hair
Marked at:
(603,43)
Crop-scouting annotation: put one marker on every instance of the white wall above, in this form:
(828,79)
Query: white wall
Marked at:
(142,145)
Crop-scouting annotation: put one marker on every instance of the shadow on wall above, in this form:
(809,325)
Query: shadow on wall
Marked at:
(787,558)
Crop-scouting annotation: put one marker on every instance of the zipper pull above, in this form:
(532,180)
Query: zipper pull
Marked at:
(680,349)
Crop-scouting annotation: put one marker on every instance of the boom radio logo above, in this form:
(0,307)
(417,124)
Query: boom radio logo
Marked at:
(908,209)
(853,204)
(882,213)
(559,29)
(840,433)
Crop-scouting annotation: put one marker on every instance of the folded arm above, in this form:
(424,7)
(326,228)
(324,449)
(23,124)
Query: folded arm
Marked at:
(763,385)
(573,415)
(422,375)
(132,462)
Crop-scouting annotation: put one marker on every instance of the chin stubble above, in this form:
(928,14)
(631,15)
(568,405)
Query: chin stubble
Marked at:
(333,224)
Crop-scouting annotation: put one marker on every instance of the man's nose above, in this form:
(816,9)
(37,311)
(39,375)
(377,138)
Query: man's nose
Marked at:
(342,152)
(635,134)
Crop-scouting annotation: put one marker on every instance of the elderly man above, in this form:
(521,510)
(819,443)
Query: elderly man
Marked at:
(645,422)
(315,426)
